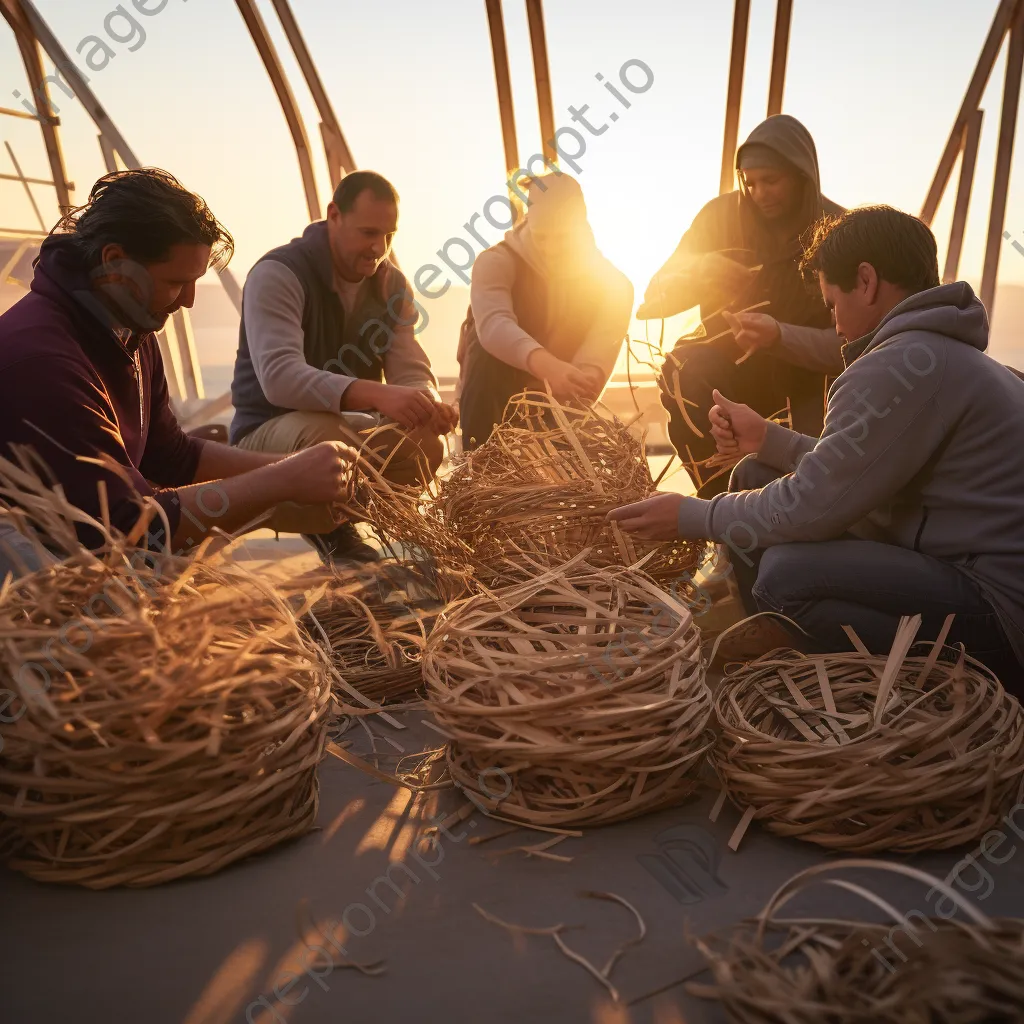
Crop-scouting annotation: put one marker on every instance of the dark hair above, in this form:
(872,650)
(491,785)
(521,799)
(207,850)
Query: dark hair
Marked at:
(900,247)
(353,185)
(146,211)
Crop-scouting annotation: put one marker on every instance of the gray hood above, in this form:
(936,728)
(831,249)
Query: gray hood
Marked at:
(950,310)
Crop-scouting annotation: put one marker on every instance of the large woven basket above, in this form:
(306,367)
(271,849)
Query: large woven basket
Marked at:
(861,753)
(169,720)
(575,699)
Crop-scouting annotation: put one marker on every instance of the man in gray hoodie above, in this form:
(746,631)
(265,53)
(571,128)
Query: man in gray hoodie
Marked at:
(912,499)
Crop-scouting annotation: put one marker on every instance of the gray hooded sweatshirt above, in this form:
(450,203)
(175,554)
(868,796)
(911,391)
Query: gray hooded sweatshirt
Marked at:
(923,447)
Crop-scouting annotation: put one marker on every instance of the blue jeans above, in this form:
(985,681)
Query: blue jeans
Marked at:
(825,585)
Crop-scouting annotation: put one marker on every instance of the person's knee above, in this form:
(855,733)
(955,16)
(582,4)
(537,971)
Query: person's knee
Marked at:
(782,577)
(412,455)
(749,475)
(321,426)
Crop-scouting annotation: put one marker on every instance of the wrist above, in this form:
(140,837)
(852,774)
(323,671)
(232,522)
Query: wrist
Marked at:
(540,362)
(360,394)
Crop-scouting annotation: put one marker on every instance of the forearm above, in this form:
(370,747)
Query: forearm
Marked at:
(229,504)
(219,461)
(813,348)
(782,448)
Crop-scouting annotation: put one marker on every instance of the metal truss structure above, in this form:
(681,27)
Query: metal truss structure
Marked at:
(34,38)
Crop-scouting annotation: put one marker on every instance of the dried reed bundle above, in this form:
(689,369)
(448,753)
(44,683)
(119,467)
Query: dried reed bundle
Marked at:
(537,491)
(862,753)
(911,970)
(376,633)
(577,698)
(169,716)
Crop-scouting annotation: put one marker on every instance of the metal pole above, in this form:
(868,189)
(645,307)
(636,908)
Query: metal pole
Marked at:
(968,164)
(1004,159)
(339,157)
(504,85)
(542,76)
(100,117)
(737,60)
(25,183)
(972,100)
(28,44)
(780,54)
(268,54)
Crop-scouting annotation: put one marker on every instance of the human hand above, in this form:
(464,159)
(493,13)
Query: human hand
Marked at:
(737,429)
(445,420)
(411,407)
(597,378)
(567,382)
(654,518)
(320,474)
(725,274)
(753,331)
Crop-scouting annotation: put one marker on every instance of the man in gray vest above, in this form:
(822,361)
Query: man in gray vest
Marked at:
(327,351)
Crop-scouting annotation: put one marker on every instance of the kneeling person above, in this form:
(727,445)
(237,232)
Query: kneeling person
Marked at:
(327,351)
(912,499)
(545,308)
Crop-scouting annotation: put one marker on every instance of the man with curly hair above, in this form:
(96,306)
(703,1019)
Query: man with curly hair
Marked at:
(82,387)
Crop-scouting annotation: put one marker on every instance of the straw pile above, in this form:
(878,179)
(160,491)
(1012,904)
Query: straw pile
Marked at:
(537,492)
(861,753)
(910,970)
(577,698)
(169,713)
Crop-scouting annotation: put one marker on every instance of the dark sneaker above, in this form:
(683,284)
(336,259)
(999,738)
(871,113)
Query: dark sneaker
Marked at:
(342,544)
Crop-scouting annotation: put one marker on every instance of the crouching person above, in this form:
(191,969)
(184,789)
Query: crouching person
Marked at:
(912,499)
(327,352)
(546,309)
(82,383)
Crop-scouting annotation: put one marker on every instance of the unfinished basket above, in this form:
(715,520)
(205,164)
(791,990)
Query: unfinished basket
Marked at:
(537,492)
(376,637)
(577,698)
(913,969)
(861,753)
(169,713)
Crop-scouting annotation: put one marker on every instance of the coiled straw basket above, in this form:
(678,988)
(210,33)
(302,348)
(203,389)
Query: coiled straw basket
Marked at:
(168,714)
(861,753)
(911,969)
(577,698)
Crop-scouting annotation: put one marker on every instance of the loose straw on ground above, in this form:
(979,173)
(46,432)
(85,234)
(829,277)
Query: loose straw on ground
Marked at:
(577,698)
(862,753)
(911,969)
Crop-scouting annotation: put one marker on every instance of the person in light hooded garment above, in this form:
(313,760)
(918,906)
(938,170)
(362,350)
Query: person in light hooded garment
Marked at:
(546,309)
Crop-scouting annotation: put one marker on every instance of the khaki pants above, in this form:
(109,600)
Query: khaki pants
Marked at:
(414,457)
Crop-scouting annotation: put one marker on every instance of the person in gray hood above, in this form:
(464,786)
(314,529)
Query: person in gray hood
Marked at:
(912,499)
(743,250)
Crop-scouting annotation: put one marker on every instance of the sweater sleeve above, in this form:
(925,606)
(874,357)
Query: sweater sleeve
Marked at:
(782,448)
(603,342)
(881,428)
(272,304)
(813,348)
(490,296)
(65,415)
(171,457)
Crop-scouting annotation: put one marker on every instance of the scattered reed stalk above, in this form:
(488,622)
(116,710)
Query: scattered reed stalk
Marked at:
(862,753)
(581,693)
(911,969)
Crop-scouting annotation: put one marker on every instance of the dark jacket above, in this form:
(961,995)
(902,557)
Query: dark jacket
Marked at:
(335,342)
(730,224)
(69,387)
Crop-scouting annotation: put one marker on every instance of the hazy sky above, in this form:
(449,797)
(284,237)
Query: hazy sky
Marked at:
(878,83)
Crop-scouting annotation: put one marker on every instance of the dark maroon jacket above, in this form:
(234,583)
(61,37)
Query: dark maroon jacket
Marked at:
(69,387)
